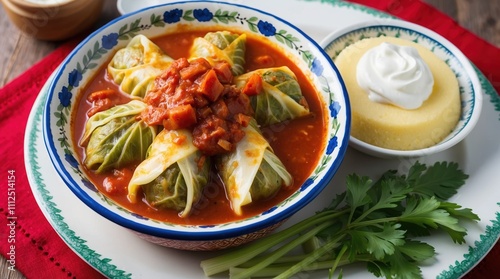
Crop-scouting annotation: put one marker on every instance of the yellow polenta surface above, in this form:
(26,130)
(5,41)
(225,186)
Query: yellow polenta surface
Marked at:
(389,126)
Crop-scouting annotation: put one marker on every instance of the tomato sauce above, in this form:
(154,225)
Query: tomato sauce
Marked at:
(298,143)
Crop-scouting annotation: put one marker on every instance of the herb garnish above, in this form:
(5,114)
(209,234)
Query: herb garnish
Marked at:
(371,222)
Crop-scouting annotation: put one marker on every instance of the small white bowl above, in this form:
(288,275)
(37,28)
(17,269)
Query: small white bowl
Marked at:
(469,85)
(95,51)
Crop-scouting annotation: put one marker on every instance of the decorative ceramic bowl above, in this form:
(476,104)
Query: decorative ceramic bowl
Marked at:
(53,20)
(96,50)
(468,81)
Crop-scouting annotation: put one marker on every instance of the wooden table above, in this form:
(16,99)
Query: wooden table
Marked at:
(19,52)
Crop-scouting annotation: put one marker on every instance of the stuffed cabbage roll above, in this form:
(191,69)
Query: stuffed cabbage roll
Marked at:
(252,171)
(280,98)
(135,66)
(115,137)
(173,174)
(221,46)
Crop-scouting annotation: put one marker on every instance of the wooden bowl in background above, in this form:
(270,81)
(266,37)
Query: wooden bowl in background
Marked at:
(53,20)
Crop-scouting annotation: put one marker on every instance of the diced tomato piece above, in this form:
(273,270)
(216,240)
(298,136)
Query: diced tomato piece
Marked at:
(200,101)
(101,101)
(210,86)
(253,86)
(101,94)
(230,91)
(203,112)
(99,105)
(240,104)
(180,117)
(179,63)
(242,119)
(223,71)
(116,184)
(154,115)
(169,124)
(196,67)
(181,96)
(220,109)
(163,86)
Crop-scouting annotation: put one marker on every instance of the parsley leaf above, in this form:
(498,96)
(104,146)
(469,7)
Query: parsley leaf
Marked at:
(441,180)
(377,241)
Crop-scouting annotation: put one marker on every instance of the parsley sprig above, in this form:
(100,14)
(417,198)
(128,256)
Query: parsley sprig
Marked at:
(377,223)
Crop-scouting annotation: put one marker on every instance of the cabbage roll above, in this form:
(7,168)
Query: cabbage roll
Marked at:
(281,97)
(221,46)
(173,174)
(252,171)
(116,138)
(135,66)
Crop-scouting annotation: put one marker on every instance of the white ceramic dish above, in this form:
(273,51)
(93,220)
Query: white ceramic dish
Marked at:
(469,85)
(477,154)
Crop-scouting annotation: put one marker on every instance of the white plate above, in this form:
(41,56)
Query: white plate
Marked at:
(118,253)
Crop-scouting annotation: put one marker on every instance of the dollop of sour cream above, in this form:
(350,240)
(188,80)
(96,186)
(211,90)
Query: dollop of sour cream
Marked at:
(396,75)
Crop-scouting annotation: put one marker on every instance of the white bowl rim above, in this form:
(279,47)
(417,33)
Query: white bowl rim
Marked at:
(432,35)
(194,235)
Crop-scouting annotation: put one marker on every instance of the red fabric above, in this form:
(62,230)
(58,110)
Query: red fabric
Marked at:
(41,253)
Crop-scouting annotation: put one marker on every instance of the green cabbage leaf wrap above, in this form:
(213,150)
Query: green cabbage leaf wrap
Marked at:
(221,46)
(115,138)
(171,175)
(135,66)
(281,97)
(252,171)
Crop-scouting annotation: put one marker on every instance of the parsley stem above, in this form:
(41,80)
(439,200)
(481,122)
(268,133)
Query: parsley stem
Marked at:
(311,258)
(283,250)
(245,253)
(372,222)
(276,269)
(338,258)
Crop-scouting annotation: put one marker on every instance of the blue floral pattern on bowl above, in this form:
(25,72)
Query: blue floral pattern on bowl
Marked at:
(98,48)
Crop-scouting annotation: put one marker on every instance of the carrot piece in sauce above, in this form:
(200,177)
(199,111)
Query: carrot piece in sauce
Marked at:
(210,86)
(101,101)
(179,117)
(253,86)
(196,67)
(223,71)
